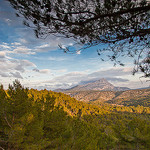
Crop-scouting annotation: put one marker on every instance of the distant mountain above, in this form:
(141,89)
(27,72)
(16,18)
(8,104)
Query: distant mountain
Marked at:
(101,91)
(59,90)
(144,88)
(132,98)
(98,85)
(126,98)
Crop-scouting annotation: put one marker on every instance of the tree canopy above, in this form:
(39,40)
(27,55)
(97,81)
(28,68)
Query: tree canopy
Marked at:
(122,25)
(47,120)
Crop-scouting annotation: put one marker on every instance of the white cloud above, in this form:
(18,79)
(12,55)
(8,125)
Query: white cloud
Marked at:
(13,67)
(36,70)
(56,58)
(10,66)
(2,54)
(42,46)
(61,70)
(23,50)
(128,70)
(27,63)
(53,86)
(70,44)
(78,52)
(23,41)
(4,46)
(16,43)
(113,72)
(16,48)
(44,71)
(66,81)
(8,21)
(3,74)
(16,75)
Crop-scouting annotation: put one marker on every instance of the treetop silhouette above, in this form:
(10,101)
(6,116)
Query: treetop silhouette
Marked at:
(122,25)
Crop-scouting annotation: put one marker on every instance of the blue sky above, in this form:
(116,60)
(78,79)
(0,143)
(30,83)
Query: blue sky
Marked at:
(39,63)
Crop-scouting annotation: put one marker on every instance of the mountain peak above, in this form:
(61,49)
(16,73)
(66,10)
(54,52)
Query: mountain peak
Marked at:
(96,85)
(102,80)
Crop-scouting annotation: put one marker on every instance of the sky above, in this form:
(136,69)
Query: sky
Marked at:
(40,64)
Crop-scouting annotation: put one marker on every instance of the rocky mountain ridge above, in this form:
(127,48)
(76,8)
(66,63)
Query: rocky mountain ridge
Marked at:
(101,91)
(98,85)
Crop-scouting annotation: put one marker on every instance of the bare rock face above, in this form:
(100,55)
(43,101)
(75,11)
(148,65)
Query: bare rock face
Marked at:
(98,85)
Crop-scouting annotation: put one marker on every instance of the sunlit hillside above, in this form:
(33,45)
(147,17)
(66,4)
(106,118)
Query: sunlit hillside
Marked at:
(126,98)
(46,120)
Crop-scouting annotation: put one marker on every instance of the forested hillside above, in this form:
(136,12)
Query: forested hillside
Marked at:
(126,98)
(47,120)
(133,98)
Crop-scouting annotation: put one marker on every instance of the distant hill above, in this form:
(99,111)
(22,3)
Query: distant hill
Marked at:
(98,85)
(126,98)
(132,98)
(145,88)
(88,96)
